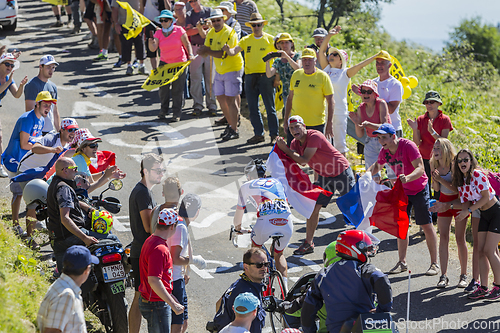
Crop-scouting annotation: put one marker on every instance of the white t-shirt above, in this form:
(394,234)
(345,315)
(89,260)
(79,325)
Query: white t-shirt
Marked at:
(233,329)
(32,160)
(391,90)
(340,81)
(180,238)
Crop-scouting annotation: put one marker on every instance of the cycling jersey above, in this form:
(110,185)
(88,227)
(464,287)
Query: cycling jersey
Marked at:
(267,195)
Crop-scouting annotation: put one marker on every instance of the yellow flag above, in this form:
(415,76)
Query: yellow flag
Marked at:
(350,106)
(135,21)
(165,74)
(396,69)
(57,2)
(278,98)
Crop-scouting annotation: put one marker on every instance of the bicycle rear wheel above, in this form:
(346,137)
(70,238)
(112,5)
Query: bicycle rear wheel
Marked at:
(277,289)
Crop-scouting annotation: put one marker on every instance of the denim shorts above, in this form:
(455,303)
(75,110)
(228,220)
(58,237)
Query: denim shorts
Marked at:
(179,291)
(157,314)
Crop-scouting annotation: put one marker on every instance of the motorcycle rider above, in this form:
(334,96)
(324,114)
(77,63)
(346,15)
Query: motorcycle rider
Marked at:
(66,223)
(347,286)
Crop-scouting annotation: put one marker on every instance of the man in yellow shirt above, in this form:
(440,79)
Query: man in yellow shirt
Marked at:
(310,87)
(229,70)
(256,46)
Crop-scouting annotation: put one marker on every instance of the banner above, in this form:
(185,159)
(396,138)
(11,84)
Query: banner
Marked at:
(57,2)
(350,106)
(135,21)
(278,98)
(165,74)
(396,69)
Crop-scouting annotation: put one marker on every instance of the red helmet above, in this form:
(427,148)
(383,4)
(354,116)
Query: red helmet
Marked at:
(355,245)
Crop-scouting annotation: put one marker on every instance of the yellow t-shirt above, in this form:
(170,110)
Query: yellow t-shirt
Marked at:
(309,93)
(216,40)
(255,49)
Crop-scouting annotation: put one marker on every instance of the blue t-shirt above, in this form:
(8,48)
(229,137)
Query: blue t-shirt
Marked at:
(28,123)
(31,90)
(81,164)
(3,93)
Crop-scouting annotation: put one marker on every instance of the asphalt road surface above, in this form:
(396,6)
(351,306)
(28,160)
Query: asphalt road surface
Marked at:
(114,107)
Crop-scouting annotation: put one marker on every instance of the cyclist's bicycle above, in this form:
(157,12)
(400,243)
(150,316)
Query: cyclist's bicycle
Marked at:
(275,291)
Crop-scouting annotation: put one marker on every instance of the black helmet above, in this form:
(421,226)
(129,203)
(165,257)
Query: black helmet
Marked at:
(256,165)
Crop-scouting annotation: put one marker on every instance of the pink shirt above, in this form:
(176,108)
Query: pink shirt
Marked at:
(375,118)
(400,163)
(327,161)
(478,183)
(171,47)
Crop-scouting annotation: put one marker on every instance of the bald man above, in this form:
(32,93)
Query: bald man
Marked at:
(67,214)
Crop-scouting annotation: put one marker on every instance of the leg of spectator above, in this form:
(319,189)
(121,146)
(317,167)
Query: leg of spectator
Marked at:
(196,74)
(208,76)
(490,249)
(475,247)
(30,220)
(178,95)
(460,228)
(312,224)
(431,240)
(75,8)
(164,93)
(252,94)
(140,48)
(105,35)
(339,133)
(266,90)
(484,265)
(402,248)
(134,315)
(126,48)
(444,227)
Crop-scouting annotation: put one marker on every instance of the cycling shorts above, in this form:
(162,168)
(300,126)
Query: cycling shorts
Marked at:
(271,224)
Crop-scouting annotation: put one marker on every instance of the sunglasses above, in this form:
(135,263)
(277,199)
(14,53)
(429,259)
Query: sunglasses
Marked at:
(335,54)
(429,102)
(255,25)
(216,20)
(165,20)
(93,145)
(8,64)
(464,160)
(159,170)
(73,167)
(191,1)
(368,92)
(259,265)
(71,130)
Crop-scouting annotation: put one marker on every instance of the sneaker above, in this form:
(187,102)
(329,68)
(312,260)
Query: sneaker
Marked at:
(32,244)
(443,281)
(399,268)
(94,44)
(256,139)
(142,70)
(119,63)
(75,31)
(87,36)
(56,25)
(196,113)
(3,173)
(472,287)
(162,114)
(135,64)
(231,134)
(130,70)
(175,119)
(480,292)
(212,112)
(462,283)
(101,57)
(433,270)
(493,295)
(304,248)
(225,131)
(221,121)
(18,231)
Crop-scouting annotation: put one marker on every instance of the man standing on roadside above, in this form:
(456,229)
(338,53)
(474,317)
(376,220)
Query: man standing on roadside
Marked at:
(62,307)
(229,70)
(310,87)
(141,204)
(244,11)
(39,83)
(319,35)
(256,46)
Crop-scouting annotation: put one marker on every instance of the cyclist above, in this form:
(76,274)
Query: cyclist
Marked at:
(347,286)
(273,213)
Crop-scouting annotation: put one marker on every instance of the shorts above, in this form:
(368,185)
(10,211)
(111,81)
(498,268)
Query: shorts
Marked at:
(371,152)
(490,219)
(179,291)
(342,183)
(136,272)
(15,187)
(98,16)
(447,198)
(228,84)
(271,224)
(89,11)
(420,204)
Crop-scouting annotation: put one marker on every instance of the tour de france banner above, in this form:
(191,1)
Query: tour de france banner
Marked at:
(164,74)
(135,21)
(278,97)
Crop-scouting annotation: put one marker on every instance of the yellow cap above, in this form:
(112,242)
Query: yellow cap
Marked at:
(308,53)
(284,36)
(45,96)
(384,55)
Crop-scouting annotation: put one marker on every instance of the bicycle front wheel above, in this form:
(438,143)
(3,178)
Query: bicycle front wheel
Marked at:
(277,288)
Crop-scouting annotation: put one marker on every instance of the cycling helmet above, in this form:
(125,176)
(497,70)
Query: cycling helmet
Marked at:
(355,245)
(255,166)
(102,221)
(35,191)
(330,255)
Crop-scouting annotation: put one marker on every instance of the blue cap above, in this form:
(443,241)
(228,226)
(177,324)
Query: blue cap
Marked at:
(245,303)
(165,14)
(79,257)
(385,129)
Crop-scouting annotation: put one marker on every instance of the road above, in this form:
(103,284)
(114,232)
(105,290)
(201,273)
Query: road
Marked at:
(114,107)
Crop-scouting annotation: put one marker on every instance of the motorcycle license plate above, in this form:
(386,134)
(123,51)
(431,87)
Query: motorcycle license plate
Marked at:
(117,287)
(113,272)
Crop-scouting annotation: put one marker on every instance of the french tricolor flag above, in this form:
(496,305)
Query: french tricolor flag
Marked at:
(301,193)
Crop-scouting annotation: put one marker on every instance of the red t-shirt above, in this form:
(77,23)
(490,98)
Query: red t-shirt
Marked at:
(441,123)
(327,161)
(375,118)
(155,260)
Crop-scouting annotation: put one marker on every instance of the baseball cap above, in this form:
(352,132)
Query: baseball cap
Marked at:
(180,3)
(190,205)
(385,128)
(384,55)
(291,330)
(48,60)
(295,119)
(10,57)
(45,96)
(319,32)
(245,303)
(168,216)
(68,123)
(308,53)
(78,257)
(432,95)
(284,36)
(83,134)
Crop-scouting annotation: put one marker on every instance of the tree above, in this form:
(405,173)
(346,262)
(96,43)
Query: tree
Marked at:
(484,40)
(341,8)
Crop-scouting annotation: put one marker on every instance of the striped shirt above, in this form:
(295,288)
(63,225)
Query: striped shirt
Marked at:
(243,12)
(62,307)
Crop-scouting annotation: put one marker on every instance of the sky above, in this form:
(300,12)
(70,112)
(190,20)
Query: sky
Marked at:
(429,22)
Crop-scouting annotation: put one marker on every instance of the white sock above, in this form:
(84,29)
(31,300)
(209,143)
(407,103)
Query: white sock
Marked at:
(104,51)
(285,280)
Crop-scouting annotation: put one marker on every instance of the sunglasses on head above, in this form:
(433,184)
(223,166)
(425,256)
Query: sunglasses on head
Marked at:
(464,160)
(165,20)
(8,64)
(259,264)
(93,145)
(429,102)
(368,92)
(255,25)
